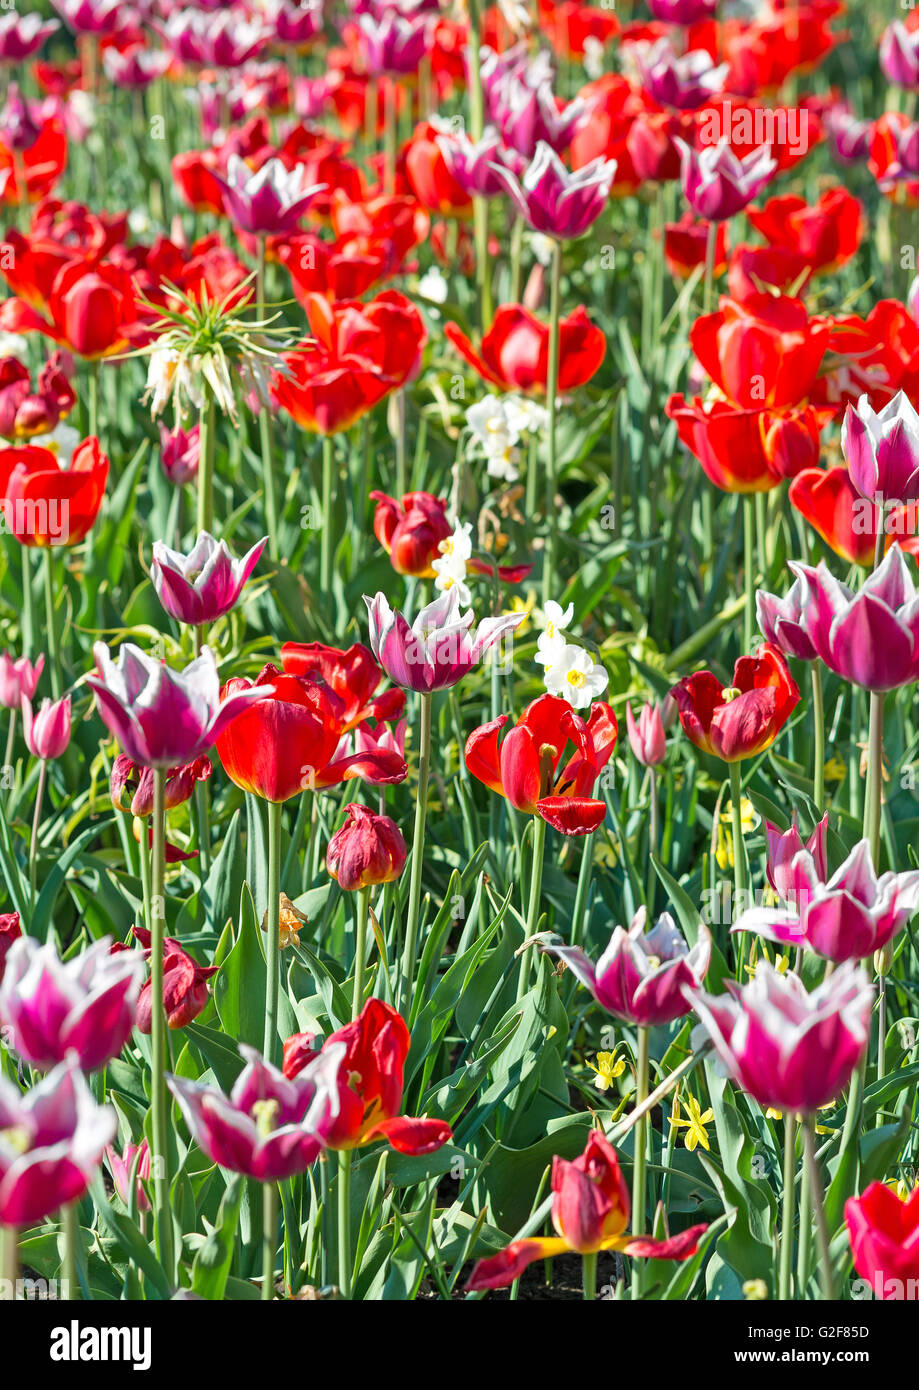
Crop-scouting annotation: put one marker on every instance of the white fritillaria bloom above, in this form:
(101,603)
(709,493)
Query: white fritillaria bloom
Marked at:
(576,677)
(450,567)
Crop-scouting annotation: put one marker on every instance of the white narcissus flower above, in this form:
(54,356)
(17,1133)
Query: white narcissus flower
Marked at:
(525,416)
(551,643)
(433,286)
(14,345)
(576,677)
(450,567)
(490,422)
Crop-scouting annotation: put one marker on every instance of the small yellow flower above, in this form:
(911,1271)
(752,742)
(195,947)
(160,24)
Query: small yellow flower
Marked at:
(749,820)
(608,1067)
(834,770)
(904,1186)
(772,1114)
(694,1122)
(518,604)
(755,1290)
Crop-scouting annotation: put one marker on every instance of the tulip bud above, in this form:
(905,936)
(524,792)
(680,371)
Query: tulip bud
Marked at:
(18,678)
(646,735)
(47,733)
(791,442)
(368,849)
(883,959)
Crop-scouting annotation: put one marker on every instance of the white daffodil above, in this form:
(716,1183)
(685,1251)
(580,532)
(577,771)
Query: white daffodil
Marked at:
(551,643)
(497,436)
(576,677)
(450,566)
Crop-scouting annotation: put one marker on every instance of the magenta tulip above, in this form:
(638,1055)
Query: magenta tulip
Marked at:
(683,81)
(717,184)
(85,1005)
(439,648)
(871,637)
(204,584)
(271,201)
(882,449)
(269,1127)
(46,733)
(783,848)
(51,1144)
(22,35)
(164,718)
(555,201)
(782,621)
(852,915)
(790,1050)
(642,975)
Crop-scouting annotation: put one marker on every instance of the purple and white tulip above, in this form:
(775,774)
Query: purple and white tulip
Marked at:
(439,647)
(268,202)
(717,184)
(204,584)
(555,201)
(882,449)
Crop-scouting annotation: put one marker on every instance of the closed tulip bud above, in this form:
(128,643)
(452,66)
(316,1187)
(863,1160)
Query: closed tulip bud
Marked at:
(18,679)
(367,850)
(121,1165)
(47,733)
(883,959)
(10,931)
(646,735)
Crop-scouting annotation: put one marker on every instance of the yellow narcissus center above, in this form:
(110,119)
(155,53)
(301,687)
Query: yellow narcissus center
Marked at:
(575,678)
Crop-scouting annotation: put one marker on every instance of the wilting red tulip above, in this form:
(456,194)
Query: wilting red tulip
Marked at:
(353,675)
(184,985)
(287,743)
(129,779)
(527,767)
(515,351)
(764,352)
(411,530)
(744,719)
(375,1045)
(10,931)
(831,503)
(45,504)
(60,1134)
(367,850)
(590,1212)
(884,1234)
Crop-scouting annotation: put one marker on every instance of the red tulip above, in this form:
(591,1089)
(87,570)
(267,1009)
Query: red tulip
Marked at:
(744,719)
(430,178)
(352,675)
(357,355)
(685,244)
(728,443)
(411,531)
(514,355)
(826,235)
(370,1083)
(831,503)
(527,767)
(287,743)
(884,1233)
(44,504)
(763,352)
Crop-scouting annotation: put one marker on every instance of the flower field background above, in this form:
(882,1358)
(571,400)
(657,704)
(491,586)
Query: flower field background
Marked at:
(459,480)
